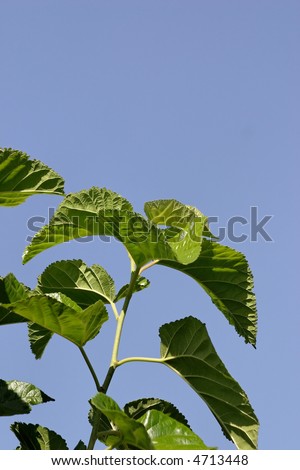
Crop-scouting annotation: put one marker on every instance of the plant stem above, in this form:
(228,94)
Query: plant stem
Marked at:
(121,318)
(140,359)
(114,358)
(95,429)
(147,266)
(92,371)
(108,378)
(114,309)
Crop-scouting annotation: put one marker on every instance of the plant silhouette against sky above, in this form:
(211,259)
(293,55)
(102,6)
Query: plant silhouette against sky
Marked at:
(72,300)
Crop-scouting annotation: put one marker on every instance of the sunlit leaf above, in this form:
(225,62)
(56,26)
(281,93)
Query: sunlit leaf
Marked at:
(76,325)
(187,349)
(225,275)
(85,285)
(93,212)
(36,437)
(17,397)
(186,242)
(101,212)
(128,432)
(38,335)
(21,177)
(167,433)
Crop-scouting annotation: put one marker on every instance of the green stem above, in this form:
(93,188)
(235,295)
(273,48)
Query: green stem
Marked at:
(121,318)
(140,359)
(91,369)
(114,358)
(149,265)
(114,309)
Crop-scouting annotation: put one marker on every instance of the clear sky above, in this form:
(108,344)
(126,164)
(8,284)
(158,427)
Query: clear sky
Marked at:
(196,100)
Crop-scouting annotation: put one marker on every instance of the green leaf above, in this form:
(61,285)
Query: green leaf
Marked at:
(168,434)
(17,397)
(128,432)
(187,349)
(101,212)
(90,212)
(15,290)
(80,446)
(39,338)
(36,437)
(225,275)
(85,285)
(186,242)
(136,409)
(11,290)
(105,427)
(140,284)
(76,325)
(21,178)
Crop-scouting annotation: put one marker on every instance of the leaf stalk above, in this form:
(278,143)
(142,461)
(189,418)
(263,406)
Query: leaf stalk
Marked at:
(91,369)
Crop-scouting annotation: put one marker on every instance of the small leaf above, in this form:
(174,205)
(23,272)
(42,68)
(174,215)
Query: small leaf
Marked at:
(186,242)
(168,434)
(225,275)
(85,285)
(138,408)
(21,178)
(187,349)
(130,433)
(76,325)
(36,437)
(17,397)
(140,284)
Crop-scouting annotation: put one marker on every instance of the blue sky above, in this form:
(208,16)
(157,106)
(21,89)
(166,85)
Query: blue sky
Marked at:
(193,100)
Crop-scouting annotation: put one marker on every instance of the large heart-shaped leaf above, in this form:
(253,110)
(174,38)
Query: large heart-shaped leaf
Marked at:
(168,434)
(21,178)
(74,324)
(36,437)
(127,432)
(225,275)
(187,349)
(17,397)
(101,212)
